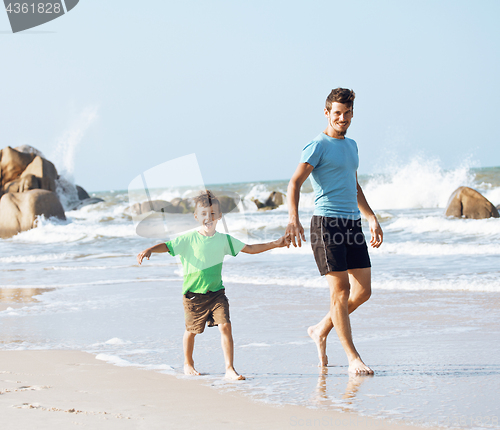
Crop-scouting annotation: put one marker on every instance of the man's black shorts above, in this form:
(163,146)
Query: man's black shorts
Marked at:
(338,244)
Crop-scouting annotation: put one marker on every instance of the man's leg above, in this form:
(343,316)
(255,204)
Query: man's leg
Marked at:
(188,344)
(228,350)
(360,291)
(339,298)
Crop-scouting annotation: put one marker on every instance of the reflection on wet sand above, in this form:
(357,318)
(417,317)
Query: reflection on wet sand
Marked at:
(16,297)
(353,385)
(348,397)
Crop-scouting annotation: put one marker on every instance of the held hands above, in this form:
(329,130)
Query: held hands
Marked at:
(376,232)
(142,255)
(283,241)
(294,230)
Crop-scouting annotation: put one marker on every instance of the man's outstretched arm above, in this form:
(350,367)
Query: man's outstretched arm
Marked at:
(366,210)
(294,228)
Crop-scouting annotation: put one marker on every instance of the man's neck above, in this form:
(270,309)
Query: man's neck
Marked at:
(332,133)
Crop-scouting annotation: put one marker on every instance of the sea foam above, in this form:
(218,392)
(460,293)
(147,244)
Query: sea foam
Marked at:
(418,184)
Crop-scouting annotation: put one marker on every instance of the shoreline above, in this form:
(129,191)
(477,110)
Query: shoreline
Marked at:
(52,389)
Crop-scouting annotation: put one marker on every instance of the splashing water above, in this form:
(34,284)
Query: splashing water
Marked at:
(65,153)
(418,184)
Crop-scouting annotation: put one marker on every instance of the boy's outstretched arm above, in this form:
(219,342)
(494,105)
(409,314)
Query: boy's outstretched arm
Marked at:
(262,247)
(161,247)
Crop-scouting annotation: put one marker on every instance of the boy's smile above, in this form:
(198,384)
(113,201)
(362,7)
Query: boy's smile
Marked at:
(207,217)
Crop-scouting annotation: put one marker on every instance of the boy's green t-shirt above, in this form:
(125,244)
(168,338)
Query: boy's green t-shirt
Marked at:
(202,257)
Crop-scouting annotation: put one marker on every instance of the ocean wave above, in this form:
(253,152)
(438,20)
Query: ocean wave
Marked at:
(73,268)
(485,283)
(118,361)
(426,249)
(418,184)
(52,230)
(432,224)
(93,283)
(38,258)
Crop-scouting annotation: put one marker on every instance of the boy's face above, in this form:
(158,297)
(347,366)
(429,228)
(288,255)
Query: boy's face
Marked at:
(207,217)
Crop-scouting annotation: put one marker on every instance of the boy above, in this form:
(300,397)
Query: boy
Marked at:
(202,252)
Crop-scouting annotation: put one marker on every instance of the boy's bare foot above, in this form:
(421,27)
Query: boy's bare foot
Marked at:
(357,367)
(190,370)
(233,375)
(320,342)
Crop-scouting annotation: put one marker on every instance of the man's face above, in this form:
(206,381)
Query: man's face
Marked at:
(339,118)
(208,217)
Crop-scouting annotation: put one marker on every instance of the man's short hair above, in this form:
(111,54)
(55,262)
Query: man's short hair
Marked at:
(340,95)
(206,199)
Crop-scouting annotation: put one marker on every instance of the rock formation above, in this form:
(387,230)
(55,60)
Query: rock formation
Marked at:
(153,205)
(28,189)
(18,211)
(466,202)
(177,206)
(274,200)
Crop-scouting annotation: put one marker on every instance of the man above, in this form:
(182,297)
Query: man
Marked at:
(336,237)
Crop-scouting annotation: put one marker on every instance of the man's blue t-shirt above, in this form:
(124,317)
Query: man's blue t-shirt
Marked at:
(333,178)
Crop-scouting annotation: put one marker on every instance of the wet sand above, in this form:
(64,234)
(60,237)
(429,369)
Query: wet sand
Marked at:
(66,389)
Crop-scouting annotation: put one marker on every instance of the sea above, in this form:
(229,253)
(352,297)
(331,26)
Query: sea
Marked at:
(431,330)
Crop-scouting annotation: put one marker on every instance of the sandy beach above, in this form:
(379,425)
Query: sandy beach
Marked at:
(73,291)
(66,389)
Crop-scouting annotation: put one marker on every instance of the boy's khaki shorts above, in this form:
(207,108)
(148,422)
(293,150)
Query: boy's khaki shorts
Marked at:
(211,308)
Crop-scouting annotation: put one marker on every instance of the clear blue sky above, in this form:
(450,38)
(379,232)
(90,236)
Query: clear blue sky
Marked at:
(242,83)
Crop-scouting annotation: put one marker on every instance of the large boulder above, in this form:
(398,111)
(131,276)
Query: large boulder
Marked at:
(18,211)
(44,171)
(21,171)
(82,194)
(183,206)
(22,184)
(87,202)
(466,202)
(227,204)
(29,150)
(151,206)
(275,199)
(12,164)
(39,174)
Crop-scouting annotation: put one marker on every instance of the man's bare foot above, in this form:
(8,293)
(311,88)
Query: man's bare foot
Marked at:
(320,342)
(357,367)
(233,375)
(190,370)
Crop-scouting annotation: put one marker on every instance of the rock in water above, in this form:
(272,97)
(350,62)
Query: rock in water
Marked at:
(12,164)
(18,211)
(275,199)
(150,206)
(227,204)
(466,202)
(82,194)
(17,176)
(87,202)
(29,150)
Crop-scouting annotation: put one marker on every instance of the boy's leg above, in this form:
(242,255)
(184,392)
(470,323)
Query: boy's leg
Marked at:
(188,344)
(228,349)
